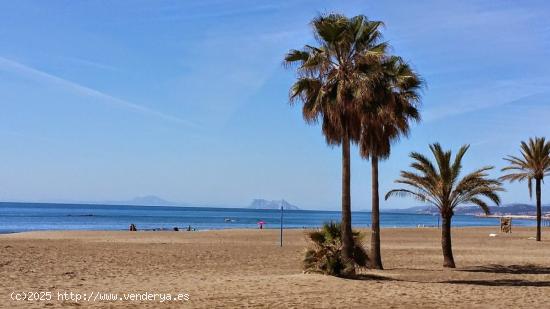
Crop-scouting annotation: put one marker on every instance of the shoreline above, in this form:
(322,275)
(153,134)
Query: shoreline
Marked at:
(241,229)
(58,217)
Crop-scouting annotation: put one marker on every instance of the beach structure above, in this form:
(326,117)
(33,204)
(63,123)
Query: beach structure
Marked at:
(506,224)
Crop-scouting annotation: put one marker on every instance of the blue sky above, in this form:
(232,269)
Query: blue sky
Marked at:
(188,100)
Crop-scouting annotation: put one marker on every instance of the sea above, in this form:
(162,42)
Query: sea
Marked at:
(20,217)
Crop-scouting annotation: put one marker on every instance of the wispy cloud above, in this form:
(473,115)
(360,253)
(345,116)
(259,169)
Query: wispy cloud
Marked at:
(487,96)
(92,64)
(183,11)
(19,68)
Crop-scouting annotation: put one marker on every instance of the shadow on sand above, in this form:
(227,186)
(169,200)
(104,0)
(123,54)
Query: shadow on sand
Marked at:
(502,282)
(526,269)
(509,269)
(370,277)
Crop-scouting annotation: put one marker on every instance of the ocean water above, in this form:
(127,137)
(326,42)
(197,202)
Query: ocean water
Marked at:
(18,217)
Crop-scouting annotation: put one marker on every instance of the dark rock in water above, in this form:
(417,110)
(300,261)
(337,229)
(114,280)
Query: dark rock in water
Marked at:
(176,228)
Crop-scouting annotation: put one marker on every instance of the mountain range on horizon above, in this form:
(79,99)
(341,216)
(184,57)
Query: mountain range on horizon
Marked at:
(145,200)
(153,200)
(508,209)
(258,203)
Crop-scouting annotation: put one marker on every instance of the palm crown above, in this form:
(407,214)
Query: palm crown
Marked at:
(336,76)
(396,92)
(441,186)
(534,164)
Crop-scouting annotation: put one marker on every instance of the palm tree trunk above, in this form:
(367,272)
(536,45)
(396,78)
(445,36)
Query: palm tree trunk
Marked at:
(347,236)
(539,208)
(376,256)
(448,260)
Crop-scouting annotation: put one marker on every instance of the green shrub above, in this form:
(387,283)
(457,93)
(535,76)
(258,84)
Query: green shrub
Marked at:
(325,253)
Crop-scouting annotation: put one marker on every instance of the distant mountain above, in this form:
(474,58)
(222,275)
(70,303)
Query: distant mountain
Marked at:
(151,200)
(147,200)
(509,209)
(410,210)
(265,204)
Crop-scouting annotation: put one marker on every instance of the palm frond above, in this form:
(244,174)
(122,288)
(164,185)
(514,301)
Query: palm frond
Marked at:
(405,193)
(394,94)
(442,186)
(534,164)
(335,77)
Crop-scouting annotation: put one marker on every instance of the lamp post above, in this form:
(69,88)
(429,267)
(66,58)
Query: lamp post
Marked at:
(281,238)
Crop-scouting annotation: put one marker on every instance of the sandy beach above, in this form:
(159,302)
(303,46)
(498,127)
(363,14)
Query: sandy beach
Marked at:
(247,268)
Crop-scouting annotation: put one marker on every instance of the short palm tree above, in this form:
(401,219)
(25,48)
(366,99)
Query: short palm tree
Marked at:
(534,165)
(333,81)
(324,255)
(440,186)
(396,92)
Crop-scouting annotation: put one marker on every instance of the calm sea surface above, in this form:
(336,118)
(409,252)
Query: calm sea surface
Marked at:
(18,217)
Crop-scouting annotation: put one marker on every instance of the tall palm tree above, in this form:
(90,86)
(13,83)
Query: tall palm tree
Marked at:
(535,164)
(396,92)
(333,81)
(440,186)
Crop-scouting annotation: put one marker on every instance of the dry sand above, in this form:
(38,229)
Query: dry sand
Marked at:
(247,268)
